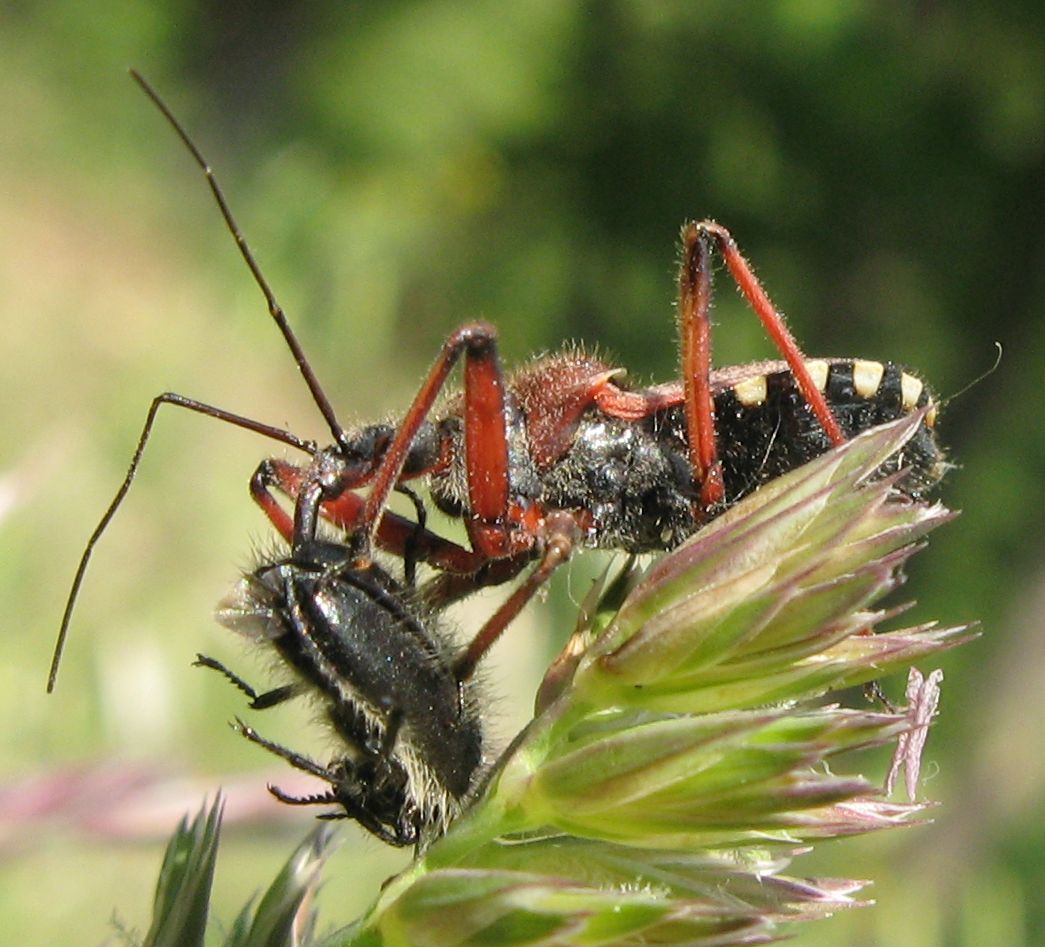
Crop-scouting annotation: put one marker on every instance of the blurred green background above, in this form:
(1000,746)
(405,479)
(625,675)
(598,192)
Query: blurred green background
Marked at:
(401,167)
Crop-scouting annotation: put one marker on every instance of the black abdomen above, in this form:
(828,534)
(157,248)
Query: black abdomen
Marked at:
(635,477)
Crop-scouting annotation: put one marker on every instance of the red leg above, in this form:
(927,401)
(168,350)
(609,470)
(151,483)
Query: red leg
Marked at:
(695,354)
(695,350)
(394,532)
(259,490)
(486,464)
(561,535)
(486,440)
(447,586)
(774,324)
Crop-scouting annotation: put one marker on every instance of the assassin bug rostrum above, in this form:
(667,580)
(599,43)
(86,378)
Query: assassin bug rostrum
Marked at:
(559,454)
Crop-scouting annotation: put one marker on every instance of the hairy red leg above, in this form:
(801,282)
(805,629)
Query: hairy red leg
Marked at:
(447,587)
(395,534)
(259,490)
(695,356)
(561,534)
(486,440)
(774,324)
(486,462)
(486,465)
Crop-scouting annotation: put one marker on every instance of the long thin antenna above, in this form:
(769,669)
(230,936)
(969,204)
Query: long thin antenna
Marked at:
(178,401)
(972,384)
(266,430)
(275,310)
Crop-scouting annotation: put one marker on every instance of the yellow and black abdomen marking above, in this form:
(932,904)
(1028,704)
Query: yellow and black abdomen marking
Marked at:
(765,428)
(635,479)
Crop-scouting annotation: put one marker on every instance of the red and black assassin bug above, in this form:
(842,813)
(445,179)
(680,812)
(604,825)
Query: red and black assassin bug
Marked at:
(563,453)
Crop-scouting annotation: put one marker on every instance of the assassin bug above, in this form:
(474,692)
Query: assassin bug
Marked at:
(562,453)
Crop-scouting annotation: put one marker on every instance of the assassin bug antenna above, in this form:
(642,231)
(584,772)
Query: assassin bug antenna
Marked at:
(180,401)
(998,355)
(191,404)
(275,309)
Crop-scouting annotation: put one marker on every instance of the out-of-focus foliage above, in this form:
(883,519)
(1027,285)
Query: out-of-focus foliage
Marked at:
(402,166)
